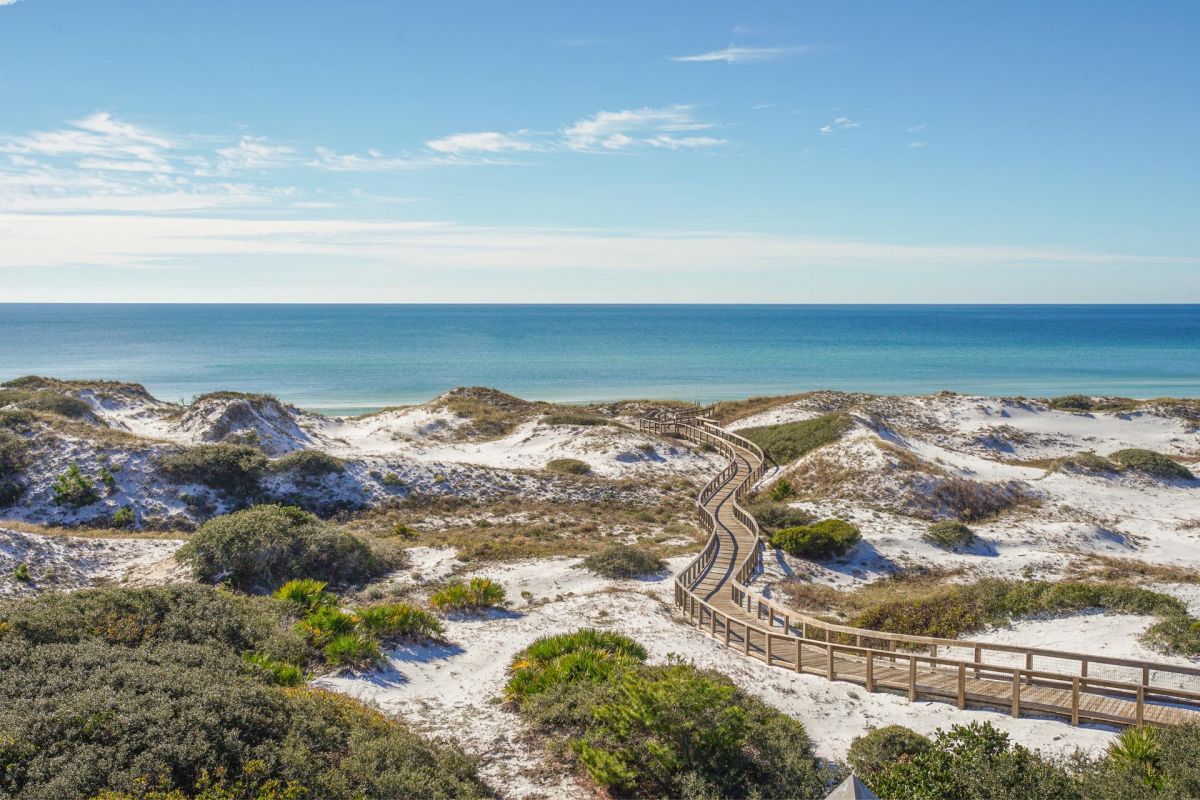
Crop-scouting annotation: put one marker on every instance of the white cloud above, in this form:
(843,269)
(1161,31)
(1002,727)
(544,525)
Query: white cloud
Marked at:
(740,55)
(651,127)
(916,128)
(916,145)
(8,2)
(482,142)
(254,153)
(839,124)
(99,140)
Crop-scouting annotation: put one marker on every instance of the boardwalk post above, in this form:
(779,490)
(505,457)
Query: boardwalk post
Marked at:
(978,658)
(870,670)
(892,647)
(769,637)
(1145,676)
(712,622)
(787,623)
(1141,705)
(1016,693)
(829,663)
(962,685)
(1075,701)
(1083,667)
(745,638)
(1029,668)
(799,655)
(912,677)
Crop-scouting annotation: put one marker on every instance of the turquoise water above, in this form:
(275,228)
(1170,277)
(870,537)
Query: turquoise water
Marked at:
(340,358)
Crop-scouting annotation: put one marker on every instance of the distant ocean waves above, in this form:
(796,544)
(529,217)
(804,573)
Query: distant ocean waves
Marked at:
(350,358)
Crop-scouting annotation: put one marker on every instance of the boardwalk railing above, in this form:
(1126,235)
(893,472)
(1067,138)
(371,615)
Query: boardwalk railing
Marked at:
(1077,686)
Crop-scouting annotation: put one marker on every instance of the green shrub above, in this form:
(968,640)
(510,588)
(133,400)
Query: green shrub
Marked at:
(568,466)
(624,561)
(949,534)
(787,442)
(356,650)
(1146,763)
(309,464)
(477,594)
(279,673)
(781,490)
(62,404)
(73,488)
(14,453)
(1085,461)
(264,546)
(393,481)
(879,749)
(403,531)
(1071,402)
(108,479)
(974,761)
(676,731)
(829,537)
(774,516)
(143,694)
(10,492)
(576,418)
(123,517)
(1151,463)
(306,594)
(325,623)
(961,609)
(21,572)
(232,468)
(393,621)
(587,655)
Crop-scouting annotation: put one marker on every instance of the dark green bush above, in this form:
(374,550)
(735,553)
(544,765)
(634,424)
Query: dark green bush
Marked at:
(781,490)
(829,537)
(1151,463)
(395,621)
(262,547)
(232,468)
(123,517)
(62,404)
(84,718)
(10,492)
(73,488)
(1071,402)
(949,534)
(568,466)
(787,442)
(974,761)
(879,749)
(1147,764)
(1085,461)
(624,561)
(353,649)
(309,464)
(773,516)
(676,731)
(21,572)
(14,453)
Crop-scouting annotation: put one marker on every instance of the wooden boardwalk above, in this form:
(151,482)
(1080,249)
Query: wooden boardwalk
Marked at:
(714,592)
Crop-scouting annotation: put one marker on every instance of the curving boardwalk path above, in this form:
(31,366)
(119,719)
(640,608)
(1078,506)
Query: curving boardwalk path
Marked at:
(714,592)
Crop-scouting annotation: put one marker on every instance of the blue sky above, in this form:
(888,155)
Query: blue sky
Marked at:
(555,151)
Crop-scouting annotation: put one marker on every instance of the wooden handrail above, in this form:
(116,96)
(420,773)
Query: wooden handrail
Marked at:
(695,425)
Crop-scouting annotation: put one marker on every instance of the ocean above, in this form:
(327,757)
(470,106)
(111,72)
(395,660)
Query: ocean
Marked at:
(353,358)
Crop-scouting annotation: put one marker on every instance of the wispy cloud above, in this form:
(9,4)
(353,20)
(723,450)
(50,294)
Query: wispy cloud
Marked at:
(839,124)
(640,127)
(733,54)
(255,153)
(8,2)
(483,142)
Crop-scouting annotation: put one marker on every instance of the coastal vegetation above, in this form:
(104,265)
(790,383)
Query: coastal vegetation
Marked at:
(659,731)
(1151,463)
(568,466)
(262,547)
(824,539)
(191,692)
(924,605)
(949,534)
(232,468)
(309,464)
(789,441)
(73,488)
(773,516)
(980,761)
(468,596)
(624,561)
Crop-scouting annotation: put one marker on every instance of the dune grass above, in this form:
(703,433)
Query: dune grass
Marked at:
(789,441)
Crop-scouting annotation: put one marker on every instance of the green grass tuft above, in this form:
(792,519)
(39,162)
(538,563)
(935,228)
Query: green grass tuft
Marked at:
(787,442)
